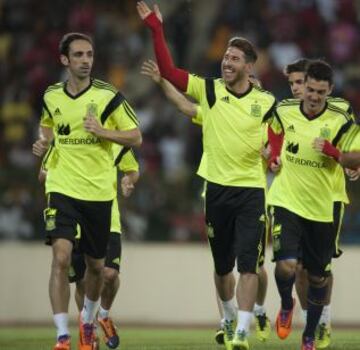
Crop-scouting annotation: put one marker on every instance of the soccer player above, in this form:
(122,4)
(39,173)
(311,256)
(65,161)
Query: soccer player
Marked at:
(83,117)
(295,74)
(128,165)
(303,220)
(233,116)
(193,111)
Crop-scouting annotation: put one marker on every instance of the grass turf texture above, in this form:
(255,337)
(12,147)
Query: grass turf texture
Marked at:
(165,339)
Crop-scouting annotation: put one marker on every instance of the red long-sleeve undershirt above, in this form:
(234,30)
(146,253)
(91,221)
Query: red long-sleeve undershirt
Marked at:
(178,77)
(275,142)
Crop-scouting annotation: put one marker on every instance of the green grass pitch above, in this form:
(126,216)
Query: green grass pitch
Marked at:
(165,339)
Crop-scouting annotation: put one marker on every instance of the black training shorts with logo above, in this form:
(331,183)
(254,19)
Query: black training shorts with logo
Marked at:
(64,215)
(235,219)
(292,233)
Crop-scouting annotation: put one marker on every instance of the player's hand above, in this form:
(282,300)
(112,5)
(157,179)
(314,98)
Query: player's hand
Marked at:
(92,125)
(275,165)
(151,69)
(353,174)
(144,11)
(266,152)
(127,186)
(318,144)
(40,147)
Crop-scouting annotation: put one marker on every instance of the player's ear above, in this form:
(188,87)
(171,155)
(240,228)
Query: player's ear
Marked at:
(249,66)
(64,60)
(331,89)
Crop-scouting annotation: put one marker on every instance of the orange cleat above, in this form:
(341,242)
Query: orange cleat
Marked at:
(110,336)
(86,336)
(63,343)
(283,322)
(308,344)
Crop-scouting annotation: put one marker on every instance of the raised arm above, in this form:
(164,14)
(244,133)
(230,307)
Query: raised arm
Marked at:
(151,69)
(153,20)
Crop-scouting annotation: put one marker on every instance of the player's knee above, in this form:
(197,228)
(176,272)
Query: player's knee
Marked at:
(285,268)
(317,281)
(95,268)
(110,275)
(61,260)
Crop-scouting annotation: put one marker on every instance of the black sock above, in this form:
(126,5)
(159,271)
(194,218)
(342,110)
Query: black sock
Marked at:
(285,288)
(316,300)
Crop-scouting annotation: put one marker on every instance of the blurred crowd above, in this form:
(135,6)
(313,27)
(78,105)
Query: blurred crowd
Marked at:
(167,203)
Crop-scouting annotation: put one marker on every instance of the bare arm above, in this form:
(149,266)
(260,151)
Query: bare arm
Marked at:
(350,160)
(129,138)
(41,145)
(151,69)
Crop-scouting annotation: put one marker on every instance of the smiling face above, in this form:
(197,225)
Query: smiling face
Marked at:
(296,81)
(234,67)
(315,94)
(80,59)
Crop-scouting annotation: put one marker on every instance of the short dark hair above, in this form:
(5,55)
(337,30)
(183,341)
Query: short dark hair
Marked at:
(246,47)
(68,38)
(299,66)
(319,70)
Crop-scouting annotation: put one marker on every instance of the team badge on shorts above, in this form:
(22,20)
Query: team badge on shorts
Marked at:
(276,231)
(49,218)
(210,230)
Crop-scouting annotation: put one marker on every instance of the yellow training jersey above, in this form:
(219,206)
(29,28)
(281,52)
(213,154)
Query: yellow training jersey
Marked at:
(304,184)
(82,166)
(125,161)
(340,194)
(232,127)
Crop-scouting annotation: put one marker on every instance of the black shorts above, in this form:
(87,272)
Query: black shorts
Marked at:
(339,210)
(235,219)
(65,214)
(292,233)
(112,259)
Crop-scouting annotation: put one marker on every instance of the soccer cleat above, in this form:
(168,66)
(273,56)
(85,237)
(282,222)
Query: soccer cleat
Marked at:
(322,336)
(262,327)
(283,322)
(219,336)
(240,341)
(96,342)
(308,344)
(229,328)
(86,336)
(63,343)
(110,336)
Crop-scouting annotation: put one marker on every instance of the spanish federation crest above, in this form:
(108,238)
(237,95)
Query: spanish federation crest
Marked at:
(255,110)
(325,133)
(92,109)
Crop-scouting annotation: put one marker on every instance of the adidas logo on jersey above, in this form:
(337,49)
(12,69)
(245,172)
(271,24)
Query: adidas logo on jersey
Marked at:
(57,111)
(291,128)
(225,99)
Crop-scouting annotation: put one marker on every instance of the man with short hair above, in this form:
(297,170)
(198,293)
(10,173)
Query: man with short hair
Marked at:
(83,117)
(193,111)
(295,73)
(233,116)
(301,219)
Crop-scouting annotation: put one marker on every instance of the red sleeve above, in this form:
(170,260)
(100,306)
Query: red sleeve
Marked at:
(176,76)
(275,142)
(331,151)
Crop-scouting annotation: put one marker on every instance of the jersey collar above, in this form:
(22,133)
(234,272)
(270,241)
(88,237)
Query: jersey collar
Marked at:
(240,95)
(316,115)
(74,97)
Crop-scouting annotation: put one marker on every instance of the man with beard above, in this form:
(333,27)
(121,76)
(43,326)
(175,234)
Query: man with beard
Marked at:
(233,116)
